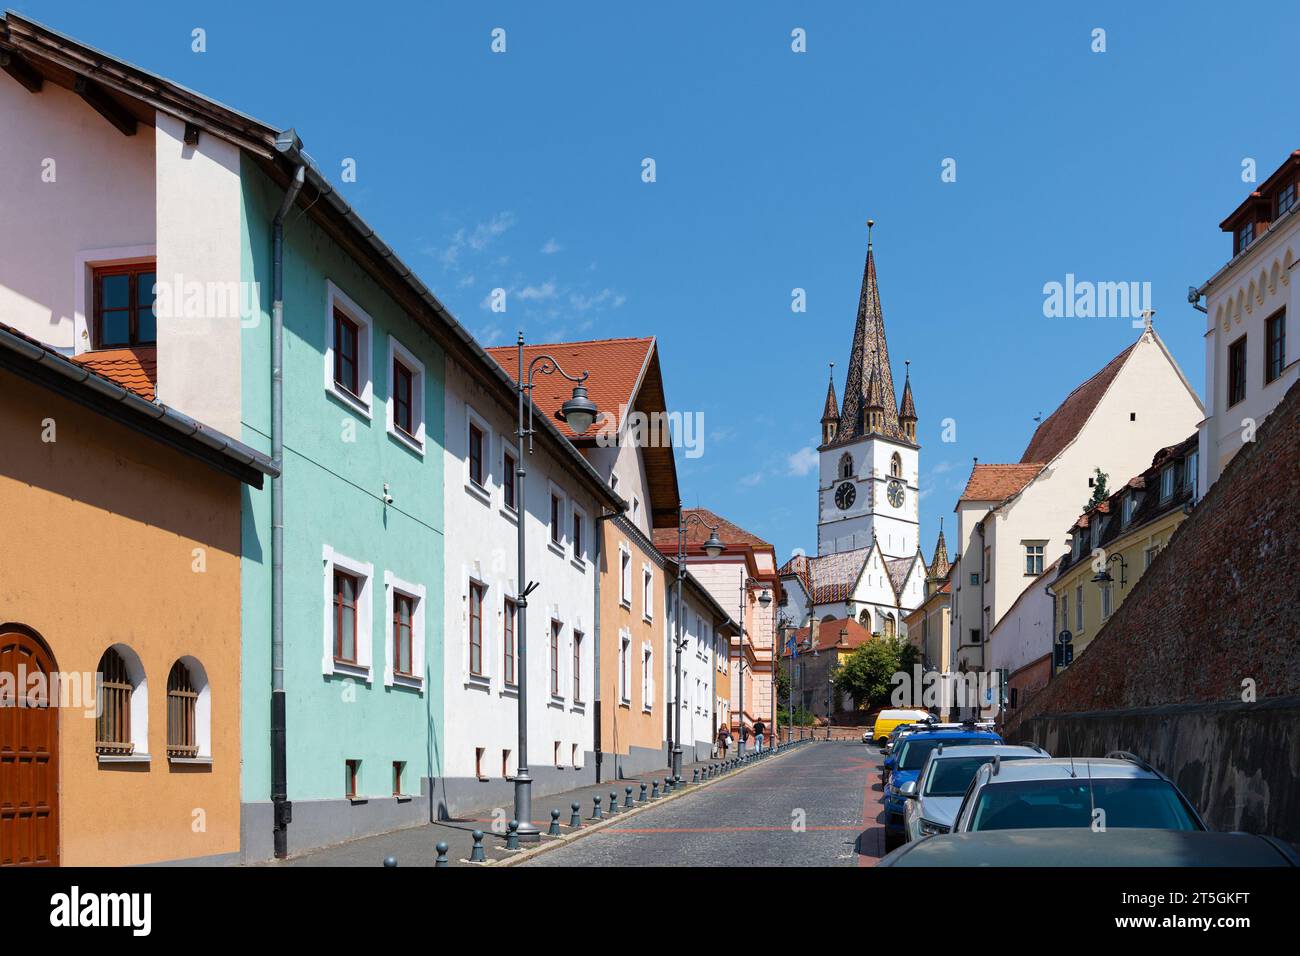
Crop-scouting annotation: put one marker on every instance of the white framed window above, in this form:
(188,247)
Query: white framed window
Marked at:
(1166,483)
(403,632)
(349,331)
(556,520)
(509,478)
(624,574)
(1078,608)
(624,666)
(1149,555)
(1130,505)
(348,587)
(478,456)
(647,677)
(122,702)
(476,661)
(647,592)
(1191,463)
(580,531)
(1033,559)
(405,410)
(1106,600)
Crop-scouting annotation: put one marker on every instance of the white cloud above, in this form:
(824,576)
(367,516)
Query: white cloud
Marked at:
(537,293)
(478,239)
(941,467)
(551,247)
(803,461)
(584,303)
(750,480)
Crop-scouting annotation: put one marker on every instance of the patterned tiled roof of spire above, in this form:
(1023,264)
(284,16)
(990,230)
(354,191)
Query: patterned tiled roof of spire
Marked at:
(831,411)
(869,360)
(908,408)
(939,565)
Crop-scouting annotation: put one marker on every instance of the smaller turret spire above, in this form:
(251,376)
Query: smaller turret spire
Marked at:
(831,411)
(939,567)
(907,410)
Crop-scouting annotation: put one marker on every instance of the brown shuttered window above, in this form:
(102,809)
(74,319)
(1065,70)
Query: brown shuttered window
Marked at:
(182,700)
(508,668)
(476,629)
(113,725)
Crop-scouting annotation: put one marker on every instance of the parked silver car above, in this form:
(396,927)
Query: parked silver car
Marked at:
(1118,791)
(936,797)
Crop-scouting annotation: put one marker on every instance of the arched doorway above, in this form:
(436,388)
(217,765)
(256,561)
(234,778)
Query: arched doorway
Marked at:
(29,750)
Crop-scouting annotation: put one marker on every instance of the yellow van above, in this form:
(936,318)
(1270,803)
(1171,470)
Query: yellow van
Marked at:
(888,719)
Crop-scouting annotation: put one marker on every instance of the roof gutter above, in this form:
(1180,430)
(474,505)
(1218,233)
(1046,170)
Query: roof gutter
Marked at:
(112,393)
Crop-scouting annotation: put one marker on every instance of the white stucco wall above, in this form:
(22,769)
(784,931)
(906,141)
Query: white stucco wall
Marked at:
(1025,633)
(199,253)
(99,206)
(481,544)
(1238,303)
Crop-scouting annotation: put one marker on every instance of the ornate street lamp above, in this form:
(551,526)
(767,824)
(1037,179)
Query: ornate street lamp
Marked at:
(712,547)
(1104,577)
(578,412)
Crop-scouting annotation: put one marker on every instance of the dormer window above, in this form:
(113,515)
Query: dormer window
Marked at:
(1130,505)
(1243,237)
(1167,483)
(1285,199)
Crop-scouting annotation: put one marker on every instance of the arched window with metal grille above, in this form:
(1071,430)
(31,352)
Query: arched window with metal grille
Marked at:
(182,716)
(113,722)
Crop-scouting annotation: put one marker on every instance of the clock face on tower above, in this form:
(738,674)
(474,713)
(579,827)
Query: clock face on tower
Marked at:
(896,493)
(844,495)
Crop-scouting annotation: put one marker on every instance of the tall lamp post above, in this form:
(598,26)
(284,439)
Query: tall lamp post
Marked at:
(764,599)
(578,412)
(712,547)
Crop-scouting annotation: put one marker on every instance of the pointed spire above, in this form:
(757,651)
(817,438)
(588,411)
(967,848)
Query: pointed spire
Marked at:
(869,360)
(908,409)
(831,412)
(939,566)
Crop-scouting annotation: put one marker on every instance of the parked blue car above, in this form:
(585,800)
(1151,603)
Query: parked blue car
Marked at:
(905,763)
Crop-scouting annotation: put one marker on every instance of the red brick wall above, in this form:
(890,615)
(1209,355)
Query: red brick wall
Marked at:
(1220,603)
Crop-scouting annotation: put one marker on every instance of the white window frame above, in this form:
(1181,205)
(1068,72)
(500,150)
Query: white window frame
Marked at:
(87,261)
(397,352)
(365,574)
(483,679)
(1041,556)
(506,447)
(580,551)
(647,592)
(624,674)
(139,709)
(1167,478)
(647,676)
(1079,618)
(362,404)
(482,492)
(394,585)
(561,546)
(624,575)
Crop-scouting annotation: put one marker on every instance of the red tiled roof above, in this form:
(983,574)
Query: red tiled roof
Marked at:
(1061,427)
(136,369)
(616,367)
(828,635)
(998,482)
(665,539)
(797,566)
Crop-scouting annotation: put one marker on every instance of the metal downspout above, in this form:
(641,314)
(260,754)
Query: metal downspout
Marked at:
(282,810)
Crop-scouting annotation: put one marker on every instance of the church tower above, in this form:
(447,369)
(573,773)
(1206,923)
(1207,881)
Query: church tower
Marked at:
(869,460)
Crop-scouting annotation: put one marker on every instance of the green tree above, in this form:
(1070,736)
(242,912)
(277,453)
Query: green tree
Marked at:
(1099,492)
(866,675)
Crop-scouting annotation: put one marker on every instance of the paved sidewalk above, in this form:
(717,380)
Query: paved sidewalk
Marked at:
(416,846)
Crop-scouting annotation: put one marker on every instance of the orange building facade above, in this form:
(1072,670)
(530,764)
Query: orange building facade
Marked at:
(121,589)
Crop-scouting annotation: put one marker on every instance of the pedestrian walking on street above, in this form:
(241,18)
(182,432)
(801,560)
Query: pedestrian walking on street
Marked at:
(758,736)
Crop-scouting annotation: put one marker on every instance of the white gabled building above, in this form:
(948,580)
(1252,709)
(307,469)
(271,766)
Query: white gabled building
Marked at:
(1010,517)
(565,500)
(1250,302)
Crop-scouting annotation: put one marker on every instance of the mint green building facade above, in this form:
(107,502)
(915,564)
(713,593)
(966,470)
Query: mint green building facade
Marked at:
(362,499)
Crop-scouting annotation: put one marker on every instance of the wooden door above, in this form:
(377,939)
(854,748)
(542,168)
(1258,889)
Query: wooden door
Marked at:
(29,752)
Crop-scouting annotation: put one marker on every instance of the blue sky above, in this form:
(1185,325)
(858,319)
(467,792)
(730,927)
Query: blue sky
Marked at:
(522,171)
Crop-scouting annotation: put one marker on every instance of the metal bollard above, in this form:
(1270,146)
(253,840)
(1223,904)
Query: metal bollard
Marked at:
(476,855)
(627,797)
(390,861)
(643,790)
(695,775)
(555,824)
(441,859)
(668,785)
(512,837)
(613,802)
(575,817)
(654,792)
(595,807)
